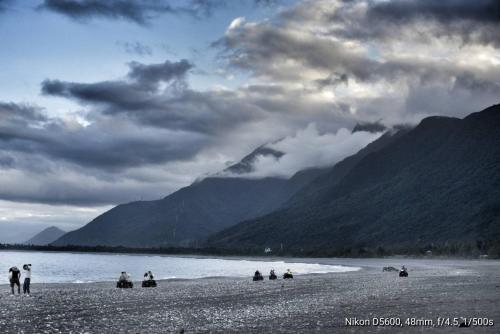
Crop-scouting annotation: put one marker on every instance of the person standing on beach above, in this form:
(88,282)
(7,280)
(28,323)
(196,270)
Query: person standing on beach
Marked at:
(27,279)
(15,275)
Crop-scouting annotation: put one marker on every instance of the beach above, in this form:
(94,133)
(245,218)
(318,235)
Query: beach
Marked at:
(313,303)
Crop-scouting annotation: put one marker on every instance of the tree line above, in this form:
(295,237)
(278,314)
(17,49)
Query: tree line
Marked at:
(462,249)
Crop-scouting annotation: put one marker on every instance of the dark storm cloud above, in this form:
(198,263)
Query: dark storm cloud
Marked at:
(12,112)
(138,11)
(152,74)
(121,95)
(106,162)
(64,186)
(6,161)
(333,80)
(188,110)
(98,147)
(140,99)
(53,161)
(16,122)
(133,94)
(119,150)
(477,21)
(443,11)
(468,81)
(372,127)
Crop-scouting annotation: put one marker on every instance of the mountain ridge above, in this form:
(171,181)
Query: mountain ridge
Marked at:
(437,182)
(191,214)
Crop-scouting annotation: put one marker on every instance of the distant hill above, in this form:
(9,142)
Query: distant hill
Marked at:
(45,237)
(436,183)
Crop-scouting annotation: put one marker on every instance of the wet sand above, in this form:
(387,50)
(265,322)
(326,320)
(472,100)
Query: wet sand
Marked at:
(316,303)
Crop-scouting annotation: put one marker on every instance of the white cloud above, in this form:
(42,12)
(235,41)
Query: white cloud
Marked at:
(309,148)
(235,24)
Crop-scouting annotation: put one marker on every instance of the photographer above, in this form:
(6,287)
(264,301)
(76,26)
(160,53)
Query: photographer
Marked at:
(27,279)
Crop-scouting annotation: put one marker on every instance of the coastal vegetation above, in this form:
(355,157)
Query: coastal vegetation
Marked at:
(464,249)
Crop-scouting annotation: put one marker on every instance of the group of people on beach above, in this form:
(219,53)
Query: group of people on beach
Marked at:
(272,275)
(124,280)
(15,279)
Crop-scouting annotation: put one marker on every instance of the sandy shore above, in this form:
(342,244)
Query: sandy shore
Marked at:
(310,303)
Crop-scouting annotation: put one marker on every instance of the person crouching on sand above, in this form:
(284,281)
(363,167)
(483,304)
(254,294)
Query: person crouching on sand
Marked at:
(124,277)
(27,279)
(14,276)
(148,276)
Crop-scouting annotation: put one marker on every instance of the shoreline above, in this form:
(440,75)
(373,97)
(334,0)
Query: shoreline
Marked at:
(93,268)
(350,264)
(308,303)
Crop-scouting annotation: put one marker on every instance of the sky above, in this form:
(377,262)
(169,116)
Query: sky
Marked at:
(107,102)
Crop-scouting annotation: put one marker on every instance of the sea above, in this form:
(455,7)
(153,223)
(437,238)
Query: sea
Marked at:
(66,267)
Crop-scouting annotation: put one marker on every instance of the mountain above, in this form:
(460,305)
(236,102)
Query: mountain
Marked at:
(47,236)
(333,175)
(435,183)
(191,213)
(246,164)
